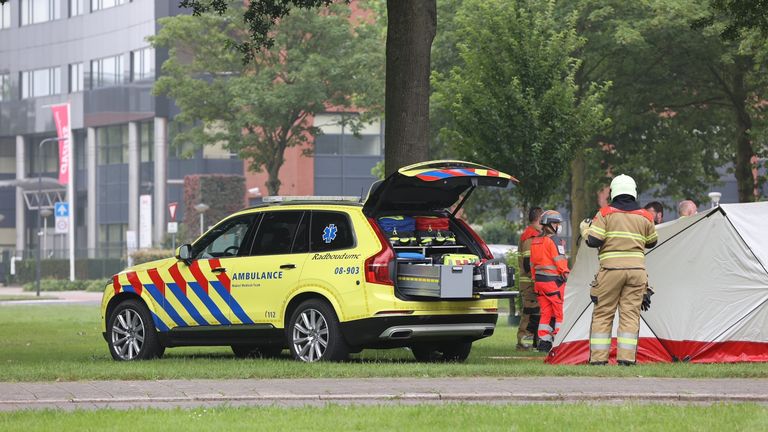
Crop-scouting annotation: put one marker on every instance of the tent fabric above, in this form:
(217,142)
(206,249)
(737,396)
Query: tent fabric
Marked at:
(710,280)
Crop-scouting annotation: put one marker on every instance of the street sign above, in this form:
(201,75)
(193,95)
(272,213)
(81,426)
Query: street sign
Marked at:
(173,227)
(61,212)
(61,209)
(172,210)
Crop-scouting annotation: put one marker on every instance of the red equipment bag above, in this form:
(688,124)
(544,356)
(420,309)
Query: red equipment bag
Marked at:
(431,223)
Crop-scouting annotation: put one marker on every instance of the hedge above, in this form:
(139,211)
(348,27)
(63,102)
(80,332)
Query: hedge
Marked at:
(146,255)
(96,285)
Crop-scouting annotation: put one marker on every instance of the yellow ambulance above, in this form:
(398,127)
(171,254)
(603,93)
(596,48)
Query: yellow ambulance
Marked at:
(324,277)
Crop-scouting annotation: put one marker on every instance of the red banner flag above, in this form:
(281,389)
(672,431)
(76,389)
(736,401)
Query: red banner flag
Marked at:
(61,118)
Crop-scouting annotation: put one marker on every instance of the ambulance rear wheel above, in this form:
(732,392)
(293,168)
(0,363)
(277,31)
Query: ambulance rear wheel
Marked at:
(445,352)
(314,333)
(131,333)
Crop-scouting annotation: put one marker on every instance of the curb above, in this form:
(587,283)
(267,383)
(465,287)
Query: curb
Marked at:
(405,397)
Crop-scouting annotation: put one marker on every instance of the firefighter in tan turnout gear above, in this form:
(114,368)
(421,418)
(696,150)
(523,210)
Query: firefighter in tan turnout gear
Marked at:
(527,336)
(621,231)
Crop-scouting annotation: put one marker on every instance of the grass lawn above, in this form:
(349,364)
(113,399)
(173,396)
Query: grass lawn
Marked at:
(56,342)
(474,417)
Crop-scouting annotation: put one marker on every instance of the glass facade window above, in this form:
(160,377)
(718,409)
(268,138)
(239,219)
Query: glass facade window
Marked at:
(40,82)
(147,140)
(105,4)
(107,71)
(5,15)
(338,138)
(76,7)
(7,155)
(38,11)
(112,240)
(46,156)
(5,86)
(112,143)
(76,79)
(143,64)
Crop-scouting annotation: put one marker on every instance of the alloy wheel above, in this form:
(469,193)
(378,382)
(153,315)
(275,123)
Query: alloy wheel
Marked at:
(310,335)
(128,334)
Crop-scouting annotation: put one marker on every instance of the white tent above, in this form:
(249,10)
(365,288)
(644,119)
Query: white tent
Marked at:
(711,283)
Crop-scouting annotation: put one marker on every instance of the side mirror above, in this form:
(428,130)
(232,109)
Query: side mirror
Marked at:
(184,253)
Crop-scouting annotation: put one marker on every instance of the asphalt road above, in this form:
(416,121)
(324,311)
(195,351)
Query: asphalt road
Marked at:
(298,392)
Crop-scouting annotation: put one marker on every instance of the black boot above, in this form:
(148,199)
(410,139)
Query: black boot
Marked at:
(625,363)
(598,363)
(544,346)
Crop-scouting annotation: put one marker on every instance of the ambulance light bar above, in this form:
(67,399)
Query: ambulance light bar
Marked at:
(278,198)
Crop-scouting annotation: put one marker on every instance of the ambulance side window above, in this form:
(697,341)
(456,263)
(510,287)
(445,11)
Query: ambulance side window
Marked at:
(330,231)
(276,232)
(227,239)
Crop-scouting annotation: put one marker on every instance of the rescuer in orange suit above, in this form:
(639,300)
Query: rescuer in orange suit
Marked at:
(529,316)
(550,272)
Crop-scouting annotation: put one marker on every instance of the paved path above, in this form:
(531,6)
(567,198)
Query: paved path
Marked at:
(297,392)
(56,297)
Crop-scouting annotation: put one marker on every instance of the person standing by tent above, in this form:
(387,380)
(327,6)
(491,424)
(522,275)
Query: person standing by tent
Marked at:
(550,272)
(621,231)
(687,208)
(527,336)
(656,210)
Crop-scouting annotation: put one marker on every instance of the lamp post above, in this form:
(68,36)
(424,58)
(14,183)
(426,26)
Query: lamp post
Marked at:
(715,198)
(45,213)
(201,208)
(40,205)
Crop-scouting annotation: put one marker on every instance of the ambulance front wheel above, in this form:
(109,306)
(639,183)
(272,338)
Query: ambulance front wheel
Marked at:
(445,352)
(131,333)
(314,333)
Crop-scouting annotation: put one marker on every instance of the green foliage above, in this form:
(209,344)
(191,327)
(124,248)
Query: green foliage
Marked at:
(739,16)
(683,101)
(85,269)
(260,15)
(95,285)
(319,59)
(499,231)
(142,256)
(514,102)
(224,195)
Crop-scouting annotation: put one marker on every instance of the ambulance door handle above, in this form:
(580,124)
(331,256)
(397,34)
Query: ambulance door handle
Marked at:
(288,266)
(219,270)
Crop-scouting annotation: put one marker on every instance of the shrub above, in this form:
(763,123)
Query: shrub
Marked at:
(146,255)
(85,269)
(67,285)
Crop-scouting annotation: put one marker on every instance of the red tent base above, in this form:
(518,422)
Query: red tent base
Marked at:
(652,350)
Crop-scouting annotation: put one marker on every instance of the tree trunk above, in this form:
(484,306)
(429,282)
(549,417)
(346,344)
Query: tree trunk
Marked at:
(744,152)
(411,27)
(578,200)
(273,168)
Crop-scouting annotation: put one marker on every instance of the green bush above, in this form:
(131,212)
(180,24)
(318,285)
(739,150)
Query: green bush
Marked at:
(95,285)
(146,255)
(500,231)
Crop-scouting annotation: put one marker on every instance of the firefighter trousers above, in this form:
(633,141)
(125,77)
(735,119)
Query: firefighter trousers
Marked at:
(612,289)
(550,297)
(529,316)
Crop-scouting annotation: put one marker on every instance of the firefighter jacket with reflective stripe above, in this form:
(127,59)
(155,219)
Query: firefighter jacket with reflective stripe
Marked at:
(622,236)
(524,255)
(547,262)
